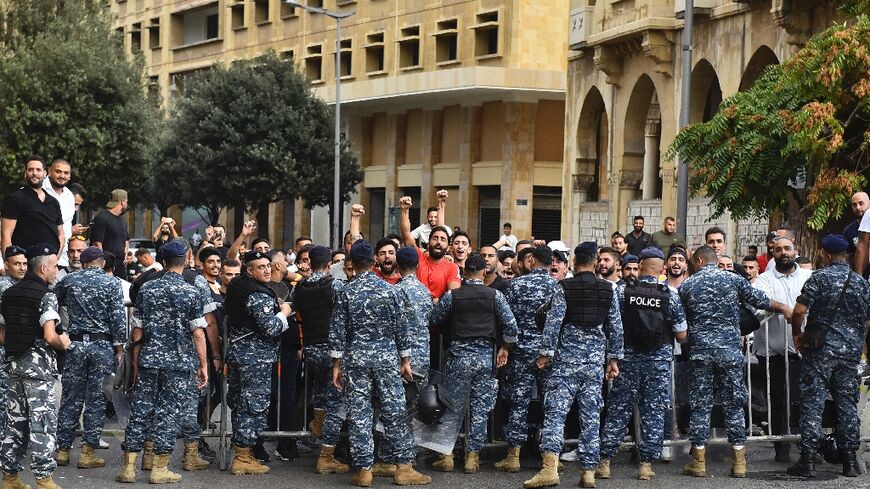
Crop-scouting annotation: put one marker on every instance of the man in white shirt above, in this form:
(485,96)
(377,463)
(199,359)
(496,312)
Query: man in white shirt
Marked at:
(59,174)
(421,233)
(508,240)
(782,283)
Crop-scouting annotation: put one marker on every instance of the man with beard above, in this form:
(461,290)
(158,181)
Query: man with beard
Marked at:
(608,258)
(75,245)
(677,267)
(637,239)
(668,236)
(519,265)
(30,215)
(109,231)
(860,203)
(783,283)
(303,261)
(750,266)
(59,173)
(676,270)
(385,254)
(630,269)
(714,237)
(436,272)
(165,232)
(506,259)
(617,242)
(491,278)
(460,247)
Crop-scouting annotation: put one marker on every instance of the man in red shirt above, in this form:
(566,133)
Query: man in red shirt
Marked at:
(435,271)
(385,257)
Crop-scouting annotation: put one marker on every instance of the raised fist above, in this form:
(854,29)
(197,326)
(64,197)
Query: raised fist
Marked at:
(357,210)
(249,227)
(405,202)
(441,195)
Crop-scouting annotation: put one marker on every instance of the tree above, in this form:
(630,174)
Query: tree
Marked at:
(257,135)
(806,121)
(68,90)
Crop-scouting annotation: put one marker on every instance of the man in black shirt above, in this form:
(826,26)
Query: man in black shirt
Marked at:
(29,215)
(638,239)
(492,278)
(109,230)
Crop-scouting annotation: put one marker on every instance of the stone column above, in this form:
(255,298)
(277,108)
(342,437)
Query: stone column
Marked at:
(391,189)
(651,151)
(518,172)
(430,155)
(628,183)
(469,153)
(582,185)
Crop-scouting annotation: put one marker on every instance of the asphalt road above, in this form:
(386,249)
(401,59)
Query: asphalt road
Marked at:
(763,473)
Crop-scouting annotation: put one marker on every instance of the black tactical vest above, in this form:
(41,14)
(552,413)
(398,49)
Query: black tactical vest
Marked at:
(238,291)
(644,316)
(21,311)
(188,276)
(313,302)
(473,316)
(588,299)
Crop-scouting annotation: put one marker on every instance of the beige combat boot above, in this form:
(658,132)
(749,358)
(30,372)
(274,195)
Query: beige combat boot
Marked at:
(698,466)
(444,463)
(738,463)
(603,469)
(363,478)
(88,459)
(407,476)
(12,481)
(148,455)
(61,456)
(511,462)
(587,478)
(548,475)
(128,470)
(315,426)
(645,471)
(328,464)
(160,473)
(382,469)
(192,460)
(245,463)
(472,462)
(46,483)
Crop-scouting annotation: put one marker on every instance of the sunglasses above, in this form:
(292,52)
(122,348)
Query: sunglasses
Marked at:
(77,237)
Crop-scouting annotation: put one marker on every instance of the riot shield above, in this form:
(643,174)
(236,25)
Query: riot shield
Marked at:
(438,431)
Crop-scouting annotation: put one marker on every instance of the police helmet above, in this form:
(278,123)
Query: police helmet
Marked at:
(430,406)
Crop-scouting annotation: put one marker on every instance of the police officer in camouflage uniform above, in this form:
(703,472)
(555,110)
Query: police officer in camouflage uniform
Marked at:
(168,321)
(711,299)
(16,268)
(368,330)
(98,330)
(583,331)
(525,294)
(476,320)
(844,309)
(312,300)
(652,317)
(29,320)
(256,321)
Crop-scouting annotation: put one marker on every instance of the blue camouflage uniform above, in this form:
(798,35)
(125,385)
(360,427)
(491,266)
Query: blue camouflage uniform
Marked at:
(834,367)
(167,310)
(190,428)
(525,294)
(250,361)
(31,416)
(5,282)
(95,305)
(368,328)
(417,303)
(577,373)
(711,299)
(644,378)
(319,367)
(470,364)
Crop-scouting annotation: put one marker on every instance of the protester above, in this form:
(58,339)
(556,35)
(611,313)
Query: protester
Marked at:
(637,239)
(434,218)
(109,229)
(751,267)
(30,215)
(435,272)
(668,236)
(507,241)
(59,174)
(608,261)
(617,242)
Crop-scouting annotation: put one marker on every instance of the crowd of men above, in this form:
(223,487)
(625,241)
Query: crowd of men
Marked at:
(594,328)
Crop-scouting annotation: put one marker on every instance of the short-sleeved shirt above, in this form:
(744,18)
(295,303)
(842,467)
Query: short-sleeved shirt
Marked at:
(436,276)
(422,232)
(111,231)
(67,202)
(36,220)
(392,280)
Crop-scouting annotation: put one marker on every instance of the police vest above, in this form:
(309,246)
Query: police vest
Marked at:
(155,274)
(21,305)
(473,315)
(644,316)
(588,299)
(313,302)
(238,291)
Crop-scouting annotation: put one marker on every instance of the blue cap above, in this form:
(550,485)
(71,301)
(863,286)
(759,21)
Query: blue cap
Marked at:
(588,248)
(13,251)
(407,256)
(835,243)
(41,249)
(475,263)
(254,255)
(172,249)
(651,252)
(361,251)
(90,254)
(628,259)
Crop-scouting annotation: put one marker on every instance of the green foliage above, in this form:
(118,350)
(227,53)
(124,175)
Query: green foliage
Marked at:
(252,133)
(807,120)
(67,90)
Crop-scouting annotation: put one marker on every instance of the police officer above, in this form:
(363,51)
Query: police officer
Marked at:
(583,328)
(478,320)
(525,294)
(98,330)
(168,320)
(711,299)
(312,299)
(652,317)
(842,310)
(368,329)
(256,321)
(16,268)
(30,319)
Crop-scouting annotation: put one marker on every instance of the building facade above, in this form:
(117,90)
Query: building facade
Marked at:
(623,102)
(466,95)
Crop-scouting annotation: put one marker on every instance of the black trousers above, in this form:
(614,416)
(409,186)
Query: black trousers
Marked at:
(778,402)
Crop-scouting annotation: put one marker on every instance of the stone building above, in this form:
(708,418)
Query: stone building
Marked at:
(623,102)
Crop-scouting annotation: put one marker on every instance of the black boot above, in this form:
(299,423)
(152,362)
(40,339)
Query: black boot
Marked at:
(805,467)
(783,452)
(850,463)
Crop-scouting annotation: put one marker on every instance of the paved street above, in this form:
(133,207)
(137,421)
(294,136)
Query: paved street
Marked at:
(763,473)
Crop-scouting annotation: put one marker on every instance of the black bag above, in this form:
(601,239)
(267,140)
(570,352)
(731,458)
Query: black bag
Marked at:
(541,314)
(749,322)
(816,331)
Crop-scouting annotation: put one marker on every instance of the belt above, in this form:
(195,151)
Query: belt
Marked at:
(90,337)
